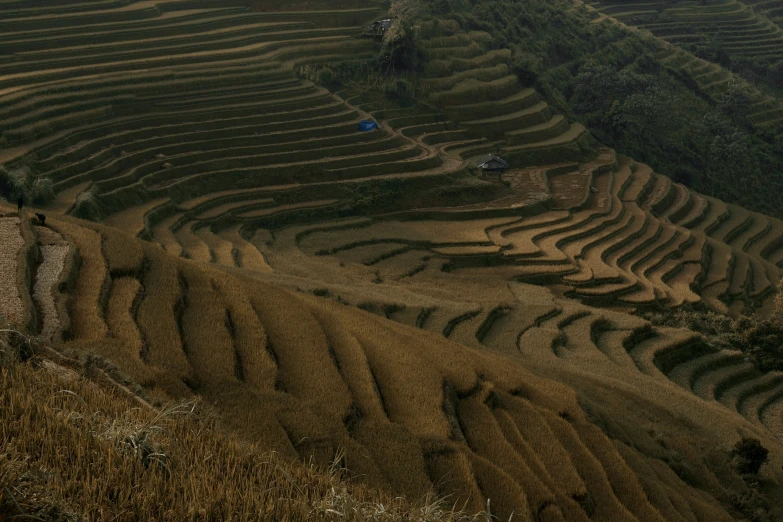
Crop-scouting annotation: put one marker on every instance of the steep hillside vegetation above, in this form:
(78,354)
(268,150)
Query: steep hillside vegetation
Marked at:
(687,118)
(745,36)
(412,411)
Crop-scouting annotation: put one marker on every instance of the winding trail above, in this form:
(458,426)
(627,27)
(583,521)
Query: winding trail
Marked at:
(54,249)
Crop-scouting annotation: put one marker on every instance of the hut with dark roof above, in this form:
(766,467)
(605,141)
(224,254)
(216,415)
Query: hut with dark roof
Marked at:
(492,165)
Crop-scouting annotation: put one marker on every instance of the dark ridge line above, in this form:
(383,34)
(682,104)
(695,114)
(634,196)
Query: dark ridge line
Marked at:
(376,387)
(37,317)
(108,283)
(600,326)
(769,403)
(141,294)
(559,344)
(537,323)
(682,353)
(638,336)
(270,351)
(239,369)
(424,315)
(729,360)
(757,390)
(454,322)
(724,386)
(420,268)
(493,316)
(387,255)
(449,408)
(179,309)
(570,319)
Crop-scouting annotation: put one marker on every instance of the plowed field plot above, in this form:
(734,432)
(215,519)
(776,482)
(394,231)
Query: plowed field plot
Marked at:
(569,190)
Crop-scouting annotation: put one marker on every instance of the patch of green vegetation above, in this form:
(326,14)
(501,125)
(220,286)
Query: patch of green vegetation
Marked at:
(21,183)
(760,339)
(608,78)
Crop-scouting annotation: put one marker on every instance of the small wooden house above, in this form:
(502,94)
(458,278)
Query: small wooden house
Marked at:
(492,165)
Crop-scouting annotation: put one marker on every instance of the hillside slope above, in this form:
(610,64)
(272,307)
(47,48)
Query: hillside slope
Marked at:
(413,411)
(143,455)
(368,298)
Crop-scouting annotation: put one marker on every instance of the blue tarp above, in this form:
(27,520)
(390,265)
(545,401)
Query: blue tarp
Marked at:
(367,125)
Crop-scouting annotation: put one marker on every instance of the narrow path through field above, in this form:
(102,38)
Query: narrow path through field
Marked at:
(54,249)
(11,244)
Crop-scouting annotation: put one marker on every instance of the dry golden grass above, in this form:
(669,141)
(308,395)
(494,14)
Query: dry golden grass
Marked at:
(86,304)
(305,365)
(129,463)
(258,368)
(123,255)
(159,315)
(411,411)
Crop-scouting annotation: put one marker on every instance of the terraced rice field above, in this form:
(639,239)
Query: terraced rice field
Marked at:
(748,29)
(612,236)
(413,410)
(744,30)
(202,126)
(186,124)
(152,104)
(765,112)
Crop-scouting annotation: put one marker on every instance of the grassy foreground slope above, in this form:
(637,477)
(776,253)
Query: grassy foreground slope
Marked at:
(67,421)
(614,439)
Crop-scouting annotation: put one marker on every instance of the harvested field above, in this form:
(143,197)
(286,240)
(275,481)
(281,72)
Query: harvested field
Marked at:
(369,300)
(608,239)
(400,400)
(10,301)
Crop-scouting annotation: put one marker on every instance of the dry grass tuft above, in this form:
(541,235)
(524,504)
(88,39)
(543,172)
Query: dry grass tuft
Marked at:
(75,450)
